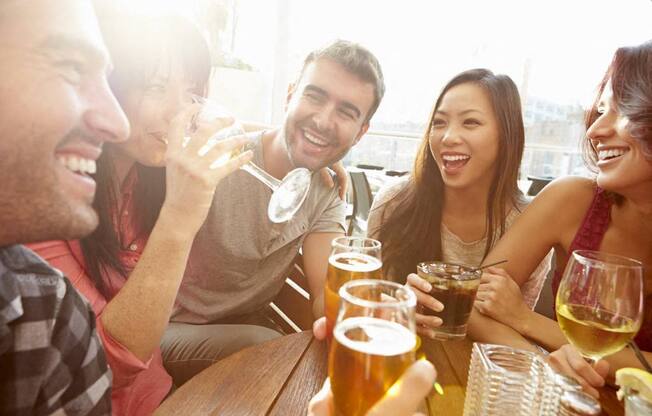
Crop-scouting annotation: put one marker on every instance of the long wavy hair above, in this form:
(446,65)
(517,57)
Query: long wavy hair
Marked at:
(138,45)
(411,233)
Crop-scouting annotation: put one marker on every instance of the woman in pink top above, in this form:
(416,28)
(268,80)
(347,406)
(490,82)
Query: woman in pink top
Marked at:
(149,215)
(611,213)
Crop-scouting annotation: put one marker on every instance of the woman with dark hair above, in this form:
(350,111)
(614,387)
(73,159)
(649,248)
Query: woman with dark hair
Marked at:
(153,194)
(611,213)
(462,194)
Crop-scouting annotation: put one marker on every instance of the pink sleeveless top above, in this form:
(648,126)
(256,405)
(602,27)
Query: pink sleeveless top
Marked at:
(589,237)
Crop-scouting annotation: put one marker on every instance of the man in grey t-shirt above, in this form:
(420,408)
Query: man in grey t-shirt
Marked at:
(239,258)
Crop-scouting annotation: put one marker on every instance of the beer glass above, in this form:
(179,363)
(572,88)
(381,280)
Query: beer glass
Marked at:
(599,302)
(287,194)
(351,258)
(455,287)
(373,343)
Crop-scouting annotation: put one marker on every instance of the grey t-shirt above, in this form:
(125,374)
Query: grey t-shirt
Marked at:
(239,260)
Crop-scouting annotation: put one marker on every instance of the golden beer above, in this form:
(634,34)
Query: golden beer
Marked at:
(343,267)
(366,358)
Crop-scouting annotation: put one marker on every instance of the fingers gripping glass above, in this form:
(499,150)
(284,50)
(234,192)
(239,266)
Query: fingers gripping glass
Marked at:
(600,302)
(287,195)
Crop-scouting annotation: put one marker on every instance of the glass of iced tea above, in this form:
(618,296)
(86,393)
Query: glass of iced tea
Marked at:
(374,342)
(351,258)
(599,302)
(455,286)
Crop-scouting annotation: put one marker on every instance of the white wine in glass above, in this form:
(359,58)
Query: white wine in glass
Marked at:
(599,302)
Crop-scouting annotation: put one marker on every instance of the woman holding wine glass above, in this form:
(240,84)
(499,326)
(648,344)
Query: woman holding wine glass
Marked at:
(153,194)
(611,213)
(131,267)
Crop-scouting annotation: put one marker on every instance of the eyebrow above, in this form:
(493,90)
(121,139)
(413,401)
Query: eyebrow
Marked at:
(345,104)
(472,110)
(65,43)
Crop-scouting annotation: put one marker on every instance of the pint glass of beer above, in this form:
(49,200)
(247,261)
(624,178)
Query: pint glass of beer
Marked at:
(351,258)
(455,287)
(373,343)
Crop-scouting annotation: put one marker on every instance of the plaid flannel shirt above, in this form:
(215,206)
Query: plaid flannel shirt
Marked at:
(51,360)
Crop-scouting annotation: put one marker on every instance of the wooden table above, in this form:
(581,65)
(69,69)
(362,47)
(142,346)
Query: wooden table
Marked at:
(280,377)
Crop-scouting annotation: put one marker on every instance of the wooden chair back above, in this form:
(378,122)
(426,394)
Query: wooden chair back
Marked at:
(292,308)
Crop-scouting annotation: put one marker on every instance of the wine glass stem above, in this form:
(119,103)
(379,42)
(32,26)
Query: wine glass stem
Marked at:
(261,175)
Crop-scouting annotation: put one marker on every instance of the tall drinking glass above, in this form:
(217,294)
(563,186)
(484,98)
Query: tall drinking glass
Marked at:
(351,258)
(287,194)
(600,302)
(373,343)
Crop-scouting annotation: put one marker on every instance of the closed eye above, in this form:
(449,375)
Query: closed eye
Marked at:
(71,69)
(472,122)
(347,113)
(438,122)
(313,97)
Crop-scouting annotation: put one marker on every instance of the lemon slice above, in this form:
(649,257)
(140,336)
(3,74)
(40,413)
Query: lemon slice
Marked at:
(634,379)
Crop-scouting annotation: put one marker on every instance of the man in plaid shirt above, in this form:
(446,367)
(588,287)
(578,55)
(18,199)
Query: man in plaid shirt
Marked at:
(56,112)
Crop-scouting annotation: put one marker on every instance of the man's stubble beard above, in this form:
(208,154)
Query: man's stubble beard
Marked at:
(286,142)
(39,213)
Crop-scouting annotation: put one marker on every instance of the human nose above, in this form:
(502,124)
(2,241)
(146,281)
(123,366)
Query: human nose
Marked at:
(104,116)
(603,127)
(450,136)
(323,117)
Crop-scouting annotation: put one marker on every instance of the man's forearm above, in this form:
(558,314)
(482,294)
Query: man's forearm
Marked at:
(318,305)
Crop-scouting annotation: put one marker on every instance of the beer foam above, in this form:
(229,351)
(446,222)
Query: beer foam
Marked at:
(355,262)
(386,338)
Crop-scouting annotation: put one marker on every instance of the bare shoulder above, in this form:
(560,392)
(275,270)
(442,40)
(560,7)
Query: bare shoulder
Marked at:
(569,194)
(559,207)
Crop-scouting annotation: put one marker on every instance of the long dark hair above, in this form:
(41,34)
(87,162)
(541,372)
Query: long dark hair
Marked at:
(136,44)
(411,233)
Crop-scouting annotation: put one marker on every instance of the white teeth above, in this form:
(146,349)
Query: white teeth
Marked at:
(314,139)
(610,153)
(451,158)
(77,164)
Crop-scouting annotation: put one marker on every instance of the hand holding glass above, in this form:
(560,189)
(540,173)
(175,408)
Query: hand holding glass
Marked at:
(287,195)
(455,286)
(600,302)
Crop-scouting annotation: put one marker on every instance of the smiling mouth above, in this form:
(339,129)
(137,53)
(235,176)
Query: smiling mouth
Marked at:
(453,162)
(611,154)
(315,140)
(78,165)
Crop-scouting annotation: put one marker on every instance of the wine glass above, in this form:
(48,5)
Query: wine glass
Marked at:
(373,343)
(288,194)
(600,302)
